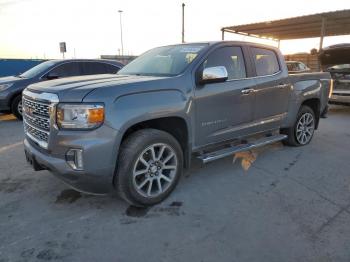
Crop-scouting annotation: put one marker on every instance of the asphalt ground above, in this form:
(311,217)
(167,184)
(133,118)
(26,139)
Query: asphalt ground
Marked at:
(274,204)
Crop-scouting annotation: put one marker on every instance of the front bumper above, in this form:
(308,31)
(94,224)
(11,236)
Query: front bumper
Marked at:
(341,99)
(99,154)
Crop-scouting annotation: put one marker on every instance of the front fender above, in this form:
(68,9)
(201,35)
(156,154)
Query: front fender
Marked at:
(135,108)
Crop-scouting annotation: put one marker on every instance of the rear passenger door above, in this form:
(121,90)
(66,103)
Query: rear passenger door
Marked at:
(272,89)
(224,109)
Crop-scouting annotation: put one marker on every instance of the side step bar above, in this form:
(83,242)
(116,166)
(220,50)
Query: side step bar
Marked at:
(211,156)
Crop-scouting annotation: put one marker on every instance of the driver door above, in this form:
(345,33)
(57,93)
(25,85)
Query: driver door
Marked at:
(224,110)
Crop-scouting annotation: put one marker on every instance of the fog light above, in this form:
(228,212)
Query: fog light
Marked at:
(74,158)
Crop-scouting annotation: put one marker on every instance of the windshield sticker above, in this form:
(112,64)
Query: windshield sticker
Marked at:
(191,49)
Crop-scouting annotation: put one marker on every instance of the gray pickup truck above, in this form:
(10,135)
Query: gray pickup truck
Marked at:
(134,132)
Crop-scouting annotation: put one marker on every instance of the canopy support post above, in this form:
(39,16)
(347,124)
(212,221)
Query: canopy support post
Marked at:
(222,34)
(323,31)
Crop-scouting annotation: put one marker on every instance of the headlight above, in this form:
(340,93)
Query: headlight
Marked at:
(3,87)
(79,116)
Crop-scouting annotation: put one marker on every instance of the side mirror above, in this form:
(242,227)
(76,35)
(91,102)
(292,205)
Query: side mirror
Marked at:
(51,76)
(214,75)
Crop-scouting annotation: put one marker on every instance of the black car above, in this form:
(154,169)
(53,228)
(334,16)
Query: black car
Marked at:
(11,87)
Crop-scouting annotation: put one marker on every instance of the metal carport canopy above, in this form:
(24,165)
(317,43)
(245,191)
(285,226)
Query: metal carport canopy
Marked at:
(317,25)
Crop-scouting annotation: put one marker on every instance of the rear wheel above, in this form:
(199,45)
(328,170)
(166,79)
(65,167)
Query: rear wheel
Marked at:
(149,167)
(303,130)
(17,108)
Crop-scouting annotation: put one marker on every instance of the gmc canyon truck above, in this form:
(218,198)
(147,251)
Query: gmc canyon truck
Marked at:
(134,132)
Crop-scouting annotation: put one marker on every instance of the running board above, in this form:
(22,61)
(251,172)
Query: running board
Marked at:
(211,156)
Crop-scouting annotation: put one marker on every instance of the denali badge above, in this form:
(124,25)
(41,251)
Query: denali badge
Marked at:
(214,122)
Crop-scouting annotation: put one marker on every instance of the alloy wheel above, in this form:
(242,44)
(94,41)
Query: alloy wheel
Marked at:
(20,108)
(305,128)
(155,170)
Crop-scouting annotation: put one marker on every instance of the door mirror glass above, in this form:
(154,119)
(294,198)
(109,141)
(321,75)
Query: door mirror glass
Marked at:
(51,75)
(214,74)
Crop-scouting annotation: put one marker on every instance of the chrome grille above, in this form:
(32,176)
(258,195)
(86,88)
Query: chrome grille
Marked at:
(43,123)
(37,116)
(36,133)
(39,109)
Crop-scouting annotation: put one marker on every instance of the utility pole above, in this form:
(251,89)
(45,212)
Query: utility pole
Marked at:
(183,23)
(323,32)
(121,30)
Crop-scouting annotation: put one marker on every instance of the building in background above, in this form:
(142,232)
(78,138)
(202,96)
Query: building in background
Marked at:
(122,59)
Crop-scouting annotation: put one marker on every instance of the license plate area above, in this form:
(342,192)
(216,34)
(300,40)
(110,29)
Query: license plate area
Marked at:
(32,161)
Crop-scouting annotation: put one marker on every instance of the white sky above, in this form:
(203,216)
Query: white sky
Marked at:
(33,28)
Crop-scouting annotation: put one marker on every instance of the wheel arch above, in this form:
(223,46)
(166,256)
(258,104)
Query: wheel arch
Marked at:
(13,96)
(315,105)
(174,125)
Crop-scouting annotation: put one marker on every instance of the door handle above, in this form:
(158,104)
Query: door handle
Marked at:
(282,86)
(247,91)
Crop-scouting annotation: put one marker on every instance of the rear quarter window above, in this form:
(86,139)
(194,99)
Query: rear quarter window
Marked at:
(266,61)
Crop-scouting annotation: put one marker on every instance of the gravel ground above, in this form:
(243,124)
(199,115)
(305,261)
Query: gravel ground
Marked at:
(291,204)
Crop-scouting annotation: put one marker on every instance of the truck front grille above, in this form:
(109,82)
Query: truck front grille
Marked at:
(37,109)
(36,133)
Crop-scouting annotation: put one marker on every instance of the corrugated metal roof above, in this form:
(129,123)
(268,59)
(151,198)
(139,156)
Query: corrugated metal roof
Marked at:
(336,23)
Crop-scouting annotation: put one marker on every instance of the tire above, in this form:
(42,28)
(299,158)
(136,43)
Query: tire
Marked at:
(144,178)
(16,107)
(301,134)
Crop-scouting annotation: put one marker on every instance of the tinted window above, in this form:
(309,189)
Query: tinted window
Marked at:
(266,62)
(229,57)
(292,66)
(94,68)
(111,69)
(67,69)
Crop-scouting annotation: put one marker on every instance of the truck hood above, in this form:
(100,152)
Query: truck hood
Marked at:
(335,55)
(74,89)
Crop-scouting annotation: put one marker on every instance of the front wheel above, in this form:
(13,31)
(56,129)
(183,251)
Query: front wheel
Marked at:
(149,167)
(303,130)
(17,108)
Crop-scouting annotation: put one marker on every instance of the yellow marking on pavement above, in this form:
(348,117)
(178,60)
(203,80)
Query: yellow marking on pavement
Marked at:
(9,147)
(7,117)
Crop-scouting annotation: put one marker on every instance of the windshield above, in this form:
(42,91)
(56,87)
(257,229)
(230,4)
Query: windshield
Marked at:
(292,66)
(163,61)
(38,69)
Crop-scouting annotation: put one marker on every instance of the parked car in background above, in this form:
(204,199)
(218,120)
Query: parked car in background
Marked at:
(135,132)
(11,87)
(295,67)
(336,60)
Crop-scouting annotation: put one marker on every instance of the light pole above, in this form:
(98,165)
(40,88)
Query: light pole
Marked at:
(121,30)
(183,23)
